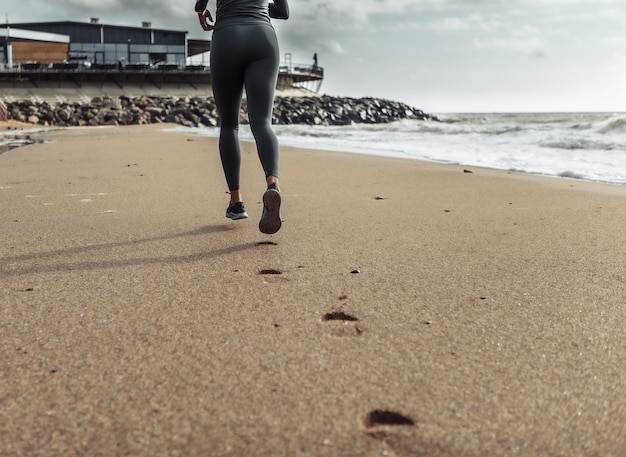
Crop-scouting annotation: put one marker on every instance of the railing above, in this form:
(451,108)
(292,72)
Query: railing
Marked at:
(313,71)
(308,77)
(298,75)
(73,67)
(299,69)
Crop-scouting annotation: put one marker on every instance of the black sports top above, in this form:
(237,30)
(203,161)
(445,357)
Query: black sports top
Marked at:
(254,9)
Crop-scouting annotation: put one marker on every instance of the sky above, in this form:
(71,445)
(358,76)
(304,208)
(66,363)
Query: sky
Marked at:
(441,56)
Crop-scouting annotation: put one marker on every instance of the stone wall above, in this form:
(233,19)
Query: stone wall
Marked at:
(200,111)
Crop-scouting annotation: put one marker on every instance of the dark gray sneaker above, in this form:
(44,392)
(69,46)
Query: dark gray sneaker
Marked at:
(236,211)
(270,219)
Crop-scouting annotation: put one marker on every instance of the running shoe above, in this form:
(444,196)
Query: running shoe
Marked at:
(270,219)
(236,211)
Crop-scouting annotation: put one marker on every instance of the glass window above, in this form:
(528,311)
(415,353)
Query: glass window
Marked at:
(138,48)
(155,48)
(176,49)
(110,57)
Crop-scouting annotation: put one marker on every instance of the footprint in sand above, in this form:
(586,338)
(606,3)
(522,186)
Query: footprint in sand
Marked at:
(397,433)
(270,271)
(381,420)
(342,324)
(339,316)
(266,243)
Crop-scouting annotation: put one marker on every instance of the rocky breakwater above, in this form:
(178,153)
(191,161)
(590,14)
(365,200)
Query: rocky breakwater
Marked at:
(201,112)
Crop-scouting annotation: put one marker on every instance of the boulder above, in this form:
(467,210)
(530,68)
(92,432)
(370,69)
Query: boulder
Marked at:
(199,111)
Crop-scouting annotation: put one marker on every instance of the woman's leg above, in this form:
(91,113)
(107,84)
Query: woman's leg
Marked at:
(260,82)
(227,78)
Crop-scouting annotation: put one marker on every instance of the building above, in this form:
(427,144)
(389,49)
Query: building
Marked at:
(74,61)
(18,46)
(95,43)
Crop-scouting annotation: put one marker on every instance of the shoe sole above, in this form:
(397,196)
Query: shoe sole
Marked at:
(237,216)
(270,220)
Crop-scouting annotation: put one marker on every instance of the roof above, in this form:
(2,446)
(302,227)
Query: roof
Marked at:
(92,24)
(195,47)
(11,32)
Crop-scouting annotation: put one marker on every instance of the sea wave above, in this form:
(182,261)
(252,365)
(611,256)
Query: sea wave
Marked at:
(614,125)
(576,145)
(582,144)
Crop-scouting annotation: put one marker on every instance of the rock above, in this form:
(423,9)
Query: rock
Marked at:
(64,115)
(200,111)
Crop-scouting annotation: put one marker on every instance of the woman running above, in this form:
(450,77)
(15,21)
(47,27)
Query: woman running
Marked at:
(244,54)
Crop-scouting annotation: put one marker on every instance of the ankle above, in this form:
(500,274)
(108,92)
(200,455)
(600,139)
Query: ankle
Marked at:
(272,182)
(235,197)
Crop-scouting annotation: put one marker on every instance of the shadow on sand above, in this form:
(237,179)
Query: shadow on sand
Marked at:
(10,265)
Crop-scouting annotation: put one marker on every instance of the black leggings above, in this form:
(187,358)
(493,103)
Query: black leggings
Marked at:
(245,55)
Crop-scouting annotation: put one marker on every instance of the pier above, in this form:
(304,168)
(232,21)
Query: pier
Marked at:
(69,82)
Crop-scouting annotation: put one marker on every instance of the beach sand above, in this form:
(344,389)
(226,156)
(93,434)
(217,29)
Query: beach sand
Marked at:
(404,308)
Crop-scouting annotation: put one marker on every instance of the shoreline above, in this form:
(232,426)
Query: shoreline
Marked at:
(184,131)
(411,309)
(19,129)
(15,135)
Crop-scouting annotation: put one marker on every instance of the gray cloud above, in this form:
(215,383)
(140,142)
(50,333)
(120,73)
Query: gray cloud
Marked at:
(427,51)
(307,15)
(169,8)
(178,13)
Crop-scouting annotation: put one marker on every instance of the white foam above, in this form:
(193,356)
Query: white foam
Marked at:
(584,145)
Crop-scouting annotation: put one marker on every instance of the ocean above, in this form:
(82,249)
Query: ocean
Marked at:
(589,146)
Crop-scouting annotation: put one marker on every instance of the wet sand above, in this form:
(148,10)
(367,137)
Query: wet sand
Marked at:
(404,308)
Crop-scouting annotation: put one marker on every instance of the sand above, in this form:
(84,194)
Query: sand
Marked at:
(404,309)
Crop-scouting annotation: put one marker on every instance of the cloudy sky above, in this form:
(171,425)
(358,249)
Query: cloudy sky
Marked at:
(437,55)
